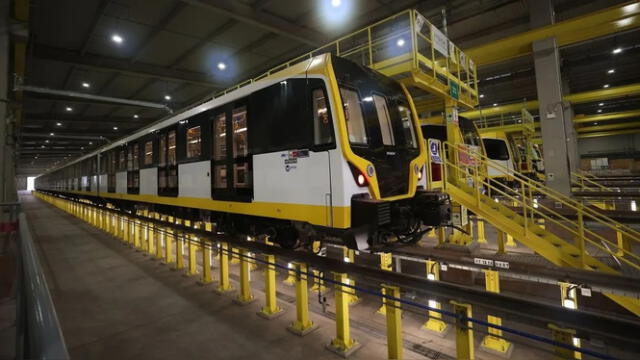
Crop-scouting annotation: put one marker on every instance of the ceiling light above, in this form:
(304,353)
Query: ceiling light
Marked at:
(51,134)
(495,104)
(90,142)
(400,42)
(115,128)
(222,66)
(481,96)
(611,71)
(600,104)
(81,147)
(86,85)
(595,123)
(69,108)
(599,110)
(58,124)
(167,97)
(336,3)
(46,141)
(135,116)
(617,50)
(606,86)
(117,39)
(42,146)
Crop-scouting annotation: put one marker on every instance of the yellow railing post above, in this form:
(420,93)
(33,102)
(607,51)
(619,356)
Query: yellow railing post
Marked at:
(569,300)
(500,242)
(179,265)
(350,257)
(581,245)
(622,242)
(494,342)
(394,322)
(565,336)
(386,264)
(464,331)
(481,237)
(434,322)
(223,283)
(271,309)
(342,344)
(151,236)
(245,297)
(302,325)
(206,278)
(137,228)
(160,237)
(318,282)
(169,239)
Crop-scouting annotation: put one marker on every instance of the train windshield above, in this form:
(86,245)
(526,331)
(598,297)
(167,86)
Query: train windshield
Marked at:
(496,149)
(376,109)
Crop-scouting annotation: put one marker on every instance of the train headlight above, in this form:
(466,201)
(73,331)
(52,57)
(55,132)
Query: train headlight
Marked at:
(359,177)
(361,180)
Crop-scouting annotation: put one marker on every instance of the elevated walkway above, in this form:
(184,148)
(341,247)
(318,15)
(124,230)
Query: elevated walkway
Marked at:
(562,241)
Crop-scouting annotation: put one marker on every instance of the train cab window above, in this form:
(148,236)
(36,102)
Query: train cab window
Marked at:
(353,116)
(240,148)
(322,133)
(407,127)
(194,142)
(496,149)
(148,153)
(383,118)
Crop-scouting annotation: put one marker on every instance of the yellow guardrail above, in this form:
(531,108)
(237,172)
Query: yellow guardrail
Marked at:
(458,161)
(584,183)
(405,46)
(522,121)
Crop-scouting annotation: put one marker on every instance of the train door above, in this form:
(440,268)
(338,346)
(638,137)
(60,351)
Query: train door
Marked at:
(167,163)
(231,163)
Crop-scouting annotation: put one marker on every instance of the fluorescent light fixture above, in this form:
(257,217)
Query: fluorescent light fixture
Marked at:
(90,142)
(599,110)
(290,265)
(595,123)
(481,96)
(495,104)
(600,104)
(535,203)
(336,3)
(86,85)
(606,86)
(69,108)
(569,303)
(346,259)
(135,116)
(400,42)
(634,207)
(617,51)
(368,99)
(117,39)
(167,97)
(58,124)
(46,141)
(115,128)
(51,134)
(611,71)
(221,65)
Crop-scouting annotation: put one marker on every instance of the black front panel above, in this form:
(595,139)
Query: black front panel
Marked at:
(393,173)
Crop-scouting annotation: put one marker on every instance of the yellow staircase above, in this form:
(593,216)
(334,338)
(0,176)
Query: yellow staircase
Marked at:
(562,241)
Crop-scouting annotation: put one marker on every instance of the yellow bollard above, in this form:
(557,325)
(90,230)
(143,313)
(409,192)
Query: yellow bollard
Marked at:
(151,237)
(386,262)
(434,322)
(481,237)
(193,251)
(342,344)
(271,309)
(169,239)
(126,231)
(302,325)
(394,322)
(179,249)
(464,331)
(350,257)
(245,297)
(234,256)
(500,242)
(159,238)
(138,234)
(565,336)
(510,241)
(493,342)
(206,263)
(223,284)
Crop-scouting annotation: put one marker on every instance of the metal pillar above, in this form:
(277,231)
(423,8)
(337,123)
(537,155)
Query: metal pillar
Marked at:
(434,322)
(350,257)
(245,297)
(160,237)
(394,322)
(169,238)
(271,309)
(302,325)
(207,278)
(342,344)
(494,343)
(464,331)
(481,237)
(386,263)
(223,284)
(555,126)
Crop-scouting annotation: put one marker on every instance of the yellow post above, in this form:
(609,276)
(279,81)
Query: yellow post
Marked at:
(481,238)
(500,242)
(394,322)
(151,236)
(193,242)
(442,235)
(137,234)
(565,336)
(160,238)
(291,277)
(493,342)
(510,241)
(464,331)
(223,284)
(342,344)
(126,231)
(434,322)
(179,248)
(350,257)
(234,256)
(569,300)
(245,297)
(271,309)
(302,325)
(169,238)
(386,262)
(623,244)
(318,282)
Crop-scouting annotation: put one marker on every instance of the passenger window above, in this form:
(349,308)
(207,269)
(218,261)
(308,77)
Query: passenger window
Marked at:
(220,176)
(162,159)
(122,163)
(148,153)
(219,137)
(385,121)
(136,152)
(353,116)
(171,153)
(193,142)
(321,121)
(407,127)
(240,145)
(130,159)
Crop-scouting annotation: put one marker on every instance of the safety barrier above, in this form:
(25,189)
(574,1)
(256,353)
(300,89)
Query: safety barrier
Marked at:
(538,202)
(133,230)
(580,182)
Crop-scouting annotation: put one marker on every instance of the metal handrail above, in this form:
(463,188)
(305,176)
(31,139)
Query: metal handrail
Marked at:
(585,183)
(38,331)
(523,197)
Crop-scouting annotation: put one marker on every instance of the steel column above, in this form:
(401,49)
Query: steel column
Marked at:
(342,344)
(223,283)
(302,325)
(245,297)
(271,309)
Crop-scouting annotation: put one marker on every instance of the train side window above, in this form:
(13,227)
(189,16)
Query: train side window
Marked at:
(194,142)
(220,137)
(322,130)
(172,159)
(383,118)
(407,127)
(148,153)
(240,148)
(122,163)
(163,150)
(353,116)
(136,153)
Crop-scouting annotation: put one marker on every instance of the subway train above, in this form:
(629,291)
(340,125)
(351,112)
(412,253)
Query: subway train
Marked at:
(325,148)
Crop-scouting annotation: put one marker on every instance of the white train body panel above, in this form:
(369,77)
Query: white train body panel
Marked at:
(121,182)
(149,181)
(103,183)
(195,179)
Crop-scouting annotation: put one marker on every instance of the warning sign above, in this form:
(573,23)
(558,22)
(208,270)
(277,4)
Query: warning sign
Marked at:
(434,150)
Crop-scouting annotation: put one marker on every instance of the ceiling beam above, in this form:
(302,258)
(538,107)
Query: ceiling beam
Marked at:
(269,22)
(109,64)
(626,125)
(606,116)
(608,133)
(42,117)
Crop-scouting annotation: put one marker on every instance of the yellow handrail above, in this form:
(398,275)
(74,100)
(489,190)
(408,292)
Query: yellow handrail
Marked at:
(524,194)
(580,180)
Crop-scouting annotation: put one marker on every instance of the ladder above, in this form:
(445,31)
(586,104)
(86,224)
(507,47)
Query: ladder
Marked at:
(562,241)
